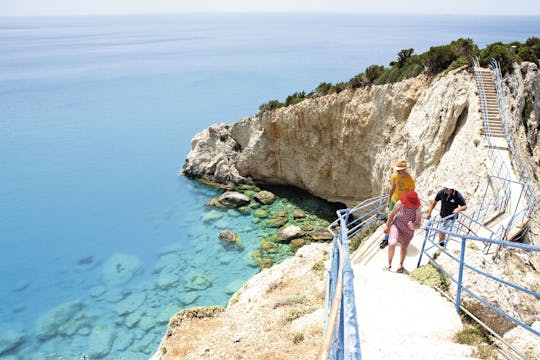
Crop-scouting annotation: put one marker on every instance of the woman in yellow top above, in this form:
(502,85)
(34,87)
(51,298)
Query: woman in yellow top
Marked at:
(401,183)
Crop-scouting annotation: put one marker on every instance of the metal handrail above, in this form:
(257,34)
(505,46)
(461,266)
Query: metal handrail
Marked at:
(341,334)
(335,306)
(435,227)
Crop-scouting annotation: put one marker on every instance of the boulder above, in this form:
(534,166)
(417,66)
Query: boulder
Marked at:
(290,232)
(265,197)
(233,198)
(297,243)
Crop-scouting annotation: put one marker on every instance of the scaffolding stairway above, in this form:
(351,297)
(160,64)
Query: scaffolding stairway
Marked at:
(494,125)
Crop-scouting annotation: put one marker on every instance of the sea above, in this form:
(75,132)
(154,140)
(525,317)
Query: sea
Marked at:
(102,239)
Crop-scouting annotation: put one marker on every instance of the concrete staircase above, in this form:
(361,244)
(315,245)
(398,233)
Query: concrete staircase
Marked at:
(398,318)
(494,124)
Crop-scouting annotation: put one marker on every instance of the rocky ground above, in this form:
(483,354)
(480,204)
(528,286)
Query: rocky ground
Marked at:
(277,314)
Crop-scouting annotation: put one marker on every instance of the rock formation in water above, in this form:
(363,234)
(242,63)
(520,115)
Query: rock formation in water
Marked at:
(340,147)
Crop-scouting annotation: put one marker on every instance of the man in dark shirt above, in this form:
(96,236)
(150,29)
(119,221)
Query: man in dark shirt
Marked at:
(452,202)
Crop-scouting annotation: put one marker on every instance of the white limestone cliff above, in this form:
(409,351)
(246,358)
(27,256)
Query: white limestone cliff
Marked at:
(340,147)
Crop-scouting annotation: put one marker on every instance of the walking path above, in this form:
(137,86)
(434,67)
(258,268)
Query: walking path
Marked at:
(399,318)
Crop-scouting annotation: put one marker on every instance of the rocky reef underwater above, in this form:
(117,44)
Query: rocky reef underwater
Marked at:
(241,230)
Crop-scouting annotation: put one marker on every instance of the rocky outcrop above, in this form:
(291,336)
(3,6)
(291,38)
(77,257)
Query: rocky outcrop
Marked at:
(340,147)
(277,314)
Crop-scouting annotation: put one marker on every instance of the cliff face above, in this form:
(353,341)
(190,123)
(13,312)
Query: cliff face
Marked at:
(340,147)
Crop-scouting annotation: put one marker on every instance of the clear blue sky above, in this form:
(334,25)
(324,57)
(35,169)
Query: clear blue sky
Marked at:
(91,7)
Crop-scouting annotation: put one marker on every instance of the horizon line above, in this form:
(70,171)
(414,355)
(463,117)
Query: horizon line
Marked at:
(264,13)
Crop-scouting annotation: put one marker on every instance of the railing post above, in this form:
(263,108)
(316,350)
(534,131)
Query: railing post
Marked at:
(460,275)
(424,243)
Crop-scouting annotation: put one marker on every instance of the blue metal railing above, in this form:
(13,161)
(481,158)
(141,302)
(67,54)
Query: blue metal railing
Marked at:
(458,276)
(341,337)
(520,164)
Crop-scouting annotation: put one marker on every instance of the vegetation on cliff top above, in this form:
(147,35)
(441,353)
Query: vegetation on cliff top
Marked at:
(434,61)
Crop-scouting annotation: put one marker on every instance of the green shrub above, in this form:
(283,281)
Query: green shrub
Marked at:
(470,336)
(298,338)
(373,72)
(403,56)
(459,62)
(295,98)
(396,74)
(271,105)
(439,58)
(339,87)
(324,88)
(465,48)
(431,276)
(502,53)
(458,53)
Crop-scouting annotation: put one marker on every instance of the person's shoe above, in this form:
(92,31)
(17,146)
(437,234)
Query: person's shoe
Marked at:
(383,243)
(441,243)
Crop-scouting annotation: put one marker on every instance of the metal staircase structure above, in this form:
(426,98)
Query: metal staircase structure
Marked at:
(502,216)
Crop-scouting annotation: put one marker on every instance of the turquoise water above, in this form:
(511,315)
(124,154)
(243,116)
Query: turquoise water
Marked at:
(96,118)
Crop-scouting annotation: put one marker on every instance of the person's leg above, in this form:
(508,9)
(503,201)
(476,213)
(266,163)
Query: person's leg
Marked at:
(391,251)
(441,238)
(384,241)
(448,225)
(402,255)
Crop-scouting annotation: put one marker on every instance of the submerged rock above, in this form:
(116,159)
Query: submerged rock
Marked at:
(130,303)
(277,221)
(198,282)
(212,215)
(9,339)
(47,325)
(261,213)
(230,237)
(121,268)
(100,341)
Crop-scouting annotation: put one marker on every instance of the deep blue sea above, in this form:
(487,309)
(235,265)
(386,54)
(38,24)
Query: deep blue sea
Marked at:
(96,118)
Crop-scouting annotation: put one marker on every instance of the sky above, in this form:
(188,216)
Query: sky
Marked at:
(102,7)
